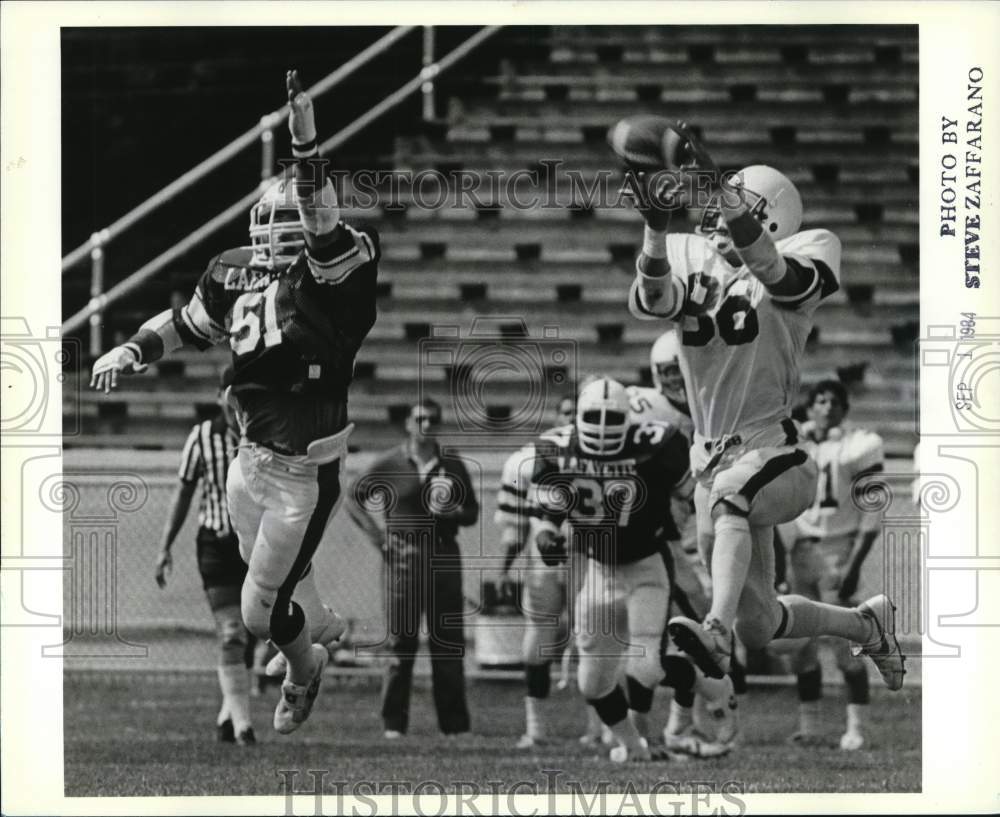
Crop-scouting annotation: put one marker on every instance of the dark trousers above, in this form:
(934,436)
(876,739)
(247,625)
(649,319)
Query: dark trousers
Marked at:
(425,580)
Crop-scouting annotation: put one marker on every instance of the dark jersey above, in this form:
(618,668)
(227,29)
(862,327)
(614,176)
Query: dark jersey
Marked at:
(294,334)
(618,506)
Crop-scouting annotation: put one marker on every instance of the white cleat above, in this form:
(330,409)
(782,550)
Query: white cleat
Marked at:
(297,700)
(526,742)
(852,740)
(721,715)
(709,645)
(692,743)
(883,650)
(334,630)
(637,753)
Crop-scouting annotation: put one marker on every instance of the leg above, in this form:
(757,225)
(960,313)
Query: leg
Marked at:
(600,627)
(234,678)
(646,606)
(447,643)
(297,499)
(806,571)
(543,603)
(403,609)
(858,696)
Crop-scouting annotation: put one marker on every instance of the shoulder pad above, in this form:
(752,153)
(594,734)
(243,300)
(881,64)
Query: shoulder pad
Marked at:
(559,435)
(220,266)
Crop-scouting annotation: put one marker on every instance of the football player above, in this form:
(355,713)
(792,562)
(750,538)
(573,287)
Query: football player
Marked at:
(741,296)
(833,537)
(612,481)
(544,594)
(690,587)
(294,308)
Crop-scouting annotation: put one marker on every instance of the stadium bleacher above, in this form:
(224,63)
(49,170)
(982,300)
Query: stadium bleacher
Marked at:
(837,113)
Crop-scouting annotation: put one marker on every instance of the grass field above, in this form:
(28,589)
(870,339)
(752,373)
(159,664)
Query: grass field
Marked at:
(153,734)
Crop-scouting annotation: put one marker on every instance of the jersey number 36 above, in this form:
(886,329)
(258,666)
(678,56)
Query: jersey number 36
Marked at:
(736,319)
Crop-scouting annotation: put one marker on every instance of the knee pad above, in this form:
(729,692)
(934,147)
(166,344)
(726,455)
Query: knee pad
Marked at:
(257,605)
(233,641)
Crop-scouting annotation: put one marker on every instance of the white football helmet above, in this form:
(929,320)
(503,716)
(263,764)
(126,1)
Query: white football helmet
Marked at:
(665,366)
(602,411)
(771,197)
(276,232)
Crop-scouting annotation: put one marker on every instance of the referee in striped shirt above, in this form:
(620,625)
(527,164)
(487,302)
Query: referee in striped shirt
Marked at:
(209,450)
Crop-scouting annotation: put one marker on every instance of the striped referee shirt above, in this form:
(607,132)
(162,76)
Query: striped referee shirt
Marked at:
(210,448)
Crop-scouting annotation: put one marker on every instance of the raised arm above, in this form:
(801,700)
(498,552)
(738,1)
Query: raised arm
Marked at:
(333,249)
(655,293)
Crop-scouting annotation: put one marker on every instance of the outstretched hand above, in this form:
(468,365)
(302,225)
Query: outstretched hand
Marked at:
(121,359)
(301,119)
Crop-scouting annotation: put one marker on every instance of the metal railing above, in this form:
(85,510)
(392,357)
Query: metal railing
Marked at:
(423,81)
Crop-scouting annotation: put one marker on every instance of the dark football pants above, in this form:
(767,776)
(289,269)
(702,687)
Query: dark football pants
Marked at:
(420,583)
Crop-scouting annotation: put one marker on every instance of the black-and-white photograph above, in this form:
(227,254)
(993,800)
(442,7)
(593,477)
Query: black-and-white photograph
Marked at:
(500,407)
(489,416)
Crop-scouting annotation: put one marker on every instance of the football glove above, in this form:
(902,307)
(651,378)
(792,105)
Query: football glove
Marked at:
(120,359)
(302,118)
(552,547)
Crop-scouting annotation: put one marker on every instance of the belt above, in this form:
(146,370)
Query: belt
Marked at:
(721,445)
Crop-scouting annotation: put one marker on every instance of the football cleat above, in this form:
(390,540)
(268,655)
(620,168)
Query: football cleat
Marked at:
(883,650)
(246,737)
(709,645)
(297,700)
(637,753)
(720,716)
(392,734)
(692,743)
(532,742)
(852,740)
(224,731)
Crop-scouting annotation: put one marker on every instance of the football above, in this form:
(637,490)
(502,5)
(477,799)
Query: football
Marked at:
(647,143)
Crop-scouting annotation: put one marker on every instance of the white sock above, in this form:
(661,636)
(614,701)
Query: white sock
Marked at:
(855,717)
(809,717)
(534,716)
(730,564)
(681,717)
(234,680)
(812,618)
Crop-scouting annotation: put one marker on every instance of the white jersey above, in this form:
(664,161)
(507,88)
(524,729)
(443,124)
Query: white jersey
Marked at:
(648,404)
(514,479)
(741,345)
(842,457)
